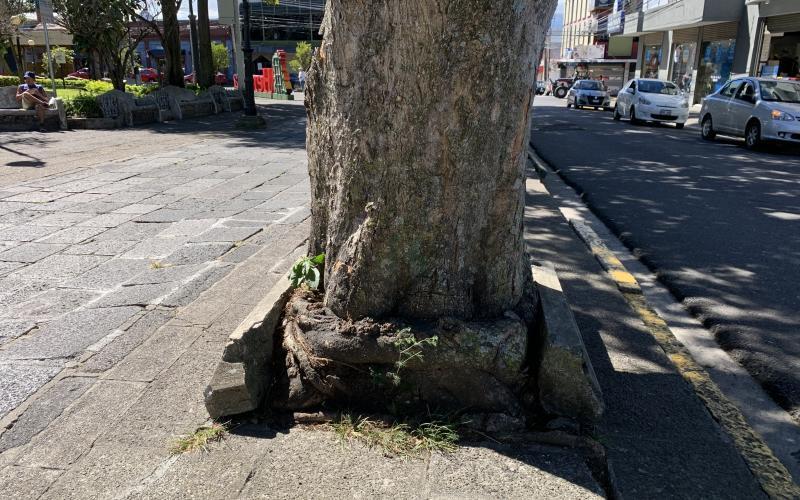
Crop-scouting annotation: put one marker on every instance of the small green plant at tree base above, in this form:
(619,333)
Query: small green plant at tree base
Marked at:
(199,439)
(398,439)
(410,349)
(306,271)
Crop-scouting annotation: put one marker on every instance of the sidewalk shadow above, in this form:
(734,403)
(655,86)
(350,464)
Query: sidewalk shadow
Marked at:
(285,128)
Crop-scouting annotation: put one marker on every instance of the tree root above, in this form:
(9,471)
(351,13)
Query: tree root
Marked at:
(449,365)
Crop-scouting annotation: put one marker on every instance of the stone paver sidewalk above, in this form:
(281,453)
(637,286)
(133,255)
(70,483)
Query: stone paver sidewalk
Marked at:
(120,280)
(94,260)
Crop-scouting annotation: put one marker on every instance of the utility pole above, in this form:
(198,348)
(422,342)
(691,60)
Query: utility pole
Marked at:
(193,40)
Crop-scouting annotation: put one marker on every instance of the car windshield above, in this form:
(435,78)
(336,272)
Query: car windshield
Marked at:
(653,87)
(780,91)
(589,85)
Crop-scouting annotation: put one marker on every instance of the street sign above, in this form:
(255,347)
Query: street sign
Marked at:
(228,11)
(46,11)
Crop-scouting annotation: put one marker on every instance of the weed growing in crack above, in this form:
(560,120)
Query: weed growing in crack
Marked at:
(410,349)
(157,264)
(199,439)
(398,439)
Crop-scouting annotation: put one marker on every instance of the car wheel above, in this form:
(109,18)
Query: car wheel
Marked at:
(634,120)
(560,92)
(679,125)
(707,129)
(616,114)
(752,135)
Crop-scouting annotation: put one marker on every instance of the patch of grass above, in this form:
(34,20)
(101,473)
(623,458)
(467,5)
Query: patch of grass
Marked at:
(199,439)
(398,439)
(65,93)
(157,264)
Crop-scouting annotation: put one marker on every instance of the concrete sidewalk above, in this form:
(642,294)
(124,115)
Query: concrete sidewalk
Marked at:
(124,340)
(103,425)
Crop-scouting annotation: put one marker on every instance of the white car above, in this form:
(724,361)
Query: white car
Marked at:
(590,93)
(646,99)
(758,109)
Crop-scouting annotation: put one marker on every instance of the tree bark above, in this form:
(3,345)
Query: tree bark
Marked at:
(205,73)
(417,136)
(172,43)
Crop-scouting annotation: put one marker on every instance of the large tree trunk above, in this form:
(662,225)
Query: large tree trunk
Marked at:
(417,135)
(205,73)
(172,43)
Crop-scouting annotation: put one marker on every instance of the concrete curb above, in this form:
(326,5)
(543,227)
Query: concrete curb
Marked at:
(771,474)
(241,380)
(567,383)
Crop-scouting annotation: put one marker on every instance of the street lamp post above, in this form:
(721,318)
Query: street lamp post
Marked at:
(20,59)
(247,51)
(16,21)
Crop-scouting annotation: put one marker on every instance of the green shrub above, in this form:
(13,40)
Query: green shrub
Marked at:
(97,87)
(140,90)
(7,81)
(83,106)
(76,83)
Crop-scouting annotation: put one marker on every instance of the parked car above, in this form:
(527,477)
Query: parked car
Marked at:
(758,109)
(647,99)
(148,75)
(588,93)
(219,79)
(561,86)
(82,73)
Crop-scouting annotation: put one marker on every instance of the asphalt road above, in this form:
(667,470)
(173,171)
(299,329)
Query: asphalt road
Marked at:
(718,224)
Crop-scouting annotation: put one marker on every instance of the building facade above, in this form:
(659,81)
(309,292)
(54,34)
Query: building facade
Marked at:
(283,26)
(700,44)
(588,48)
(150,51)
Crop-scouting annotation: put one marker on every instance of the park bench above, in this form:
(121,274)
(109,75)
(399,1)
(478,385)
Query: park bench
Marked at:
(12,118)
(226,100)
(191,104)
(129,110)
(168,107)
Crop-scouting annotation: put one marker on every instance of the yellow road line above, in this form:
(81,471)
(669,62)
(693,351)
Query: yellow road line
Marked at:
(771,474)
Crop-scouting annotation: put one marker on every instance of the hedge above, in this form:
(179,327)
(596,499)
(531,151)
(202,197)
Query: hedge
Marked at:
(84,106)
(7,81)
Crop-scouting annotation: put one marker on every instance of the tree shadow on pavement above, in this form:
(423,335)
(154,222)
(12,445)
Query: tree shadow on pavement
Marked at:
(285,128)
(715,222)
(7,145)
(654,428)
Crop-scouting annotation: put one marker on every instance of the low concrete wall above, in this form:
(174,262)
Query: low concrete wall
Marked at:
(567,383)
(19,121)
(242,379)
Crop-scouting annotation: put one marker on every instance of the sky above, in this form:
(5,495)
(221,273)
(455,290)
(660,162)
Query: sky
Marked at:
(213,13)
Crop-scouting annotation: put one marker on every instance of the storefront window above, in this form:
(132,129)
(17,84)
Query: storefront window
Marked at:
(715,67)
(651,61)
(683,56)
(784,56)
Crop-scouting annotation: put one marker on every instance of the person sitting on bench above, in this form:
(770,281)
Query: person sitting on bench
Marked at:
(31,95)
